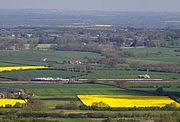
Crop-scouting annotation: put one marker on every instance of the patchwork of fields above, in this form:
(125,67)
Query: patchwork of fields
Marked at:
(55,59)
(23,65)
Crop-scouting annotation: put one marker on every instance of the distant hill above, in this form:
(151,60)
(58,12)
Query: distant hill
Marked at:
(61,18)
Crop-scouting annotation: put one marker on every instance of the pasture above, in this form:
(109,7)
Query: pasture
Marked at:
(29,58)
(69,90)
(155,55)
(115,74)
(36,57)
(93,74)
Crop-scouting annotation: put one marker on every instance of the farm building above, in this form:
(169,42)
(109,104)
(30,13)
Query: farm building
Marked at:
(75,62)
(146,76)
(10,93)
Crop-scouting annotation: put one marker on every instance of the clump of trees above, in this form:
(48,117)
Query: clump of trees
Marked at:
(84,115)
(174,117)
(26,120)
(160,91)
(99,106)
(107,117)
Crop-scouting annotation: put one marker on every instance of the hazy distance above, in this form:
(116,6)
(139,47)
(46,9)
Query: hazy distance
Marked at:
(105,5)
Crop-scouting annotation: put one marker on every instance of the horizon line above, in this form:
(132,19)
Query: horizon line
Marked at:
(61,10)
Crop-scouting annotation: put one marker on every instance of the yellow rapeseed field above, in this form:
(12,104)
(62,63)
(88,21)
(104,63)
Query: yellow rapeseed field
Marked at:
(12,68)
(12,102)
(127,100)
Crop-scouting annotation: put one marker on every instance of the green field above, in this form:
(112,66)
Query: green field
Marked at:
(130,74)
(69,90)
(36,57)
(55,59)
(155,55)
(94,74)
(29,74)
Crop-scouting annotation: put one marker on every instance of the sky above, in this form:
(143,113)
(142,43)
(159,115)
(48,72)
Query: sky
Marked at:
(106,5)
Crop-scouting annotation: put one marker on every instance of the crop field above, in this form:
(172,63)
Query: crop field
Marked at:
(127,101)
(12,102)
(15,68)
